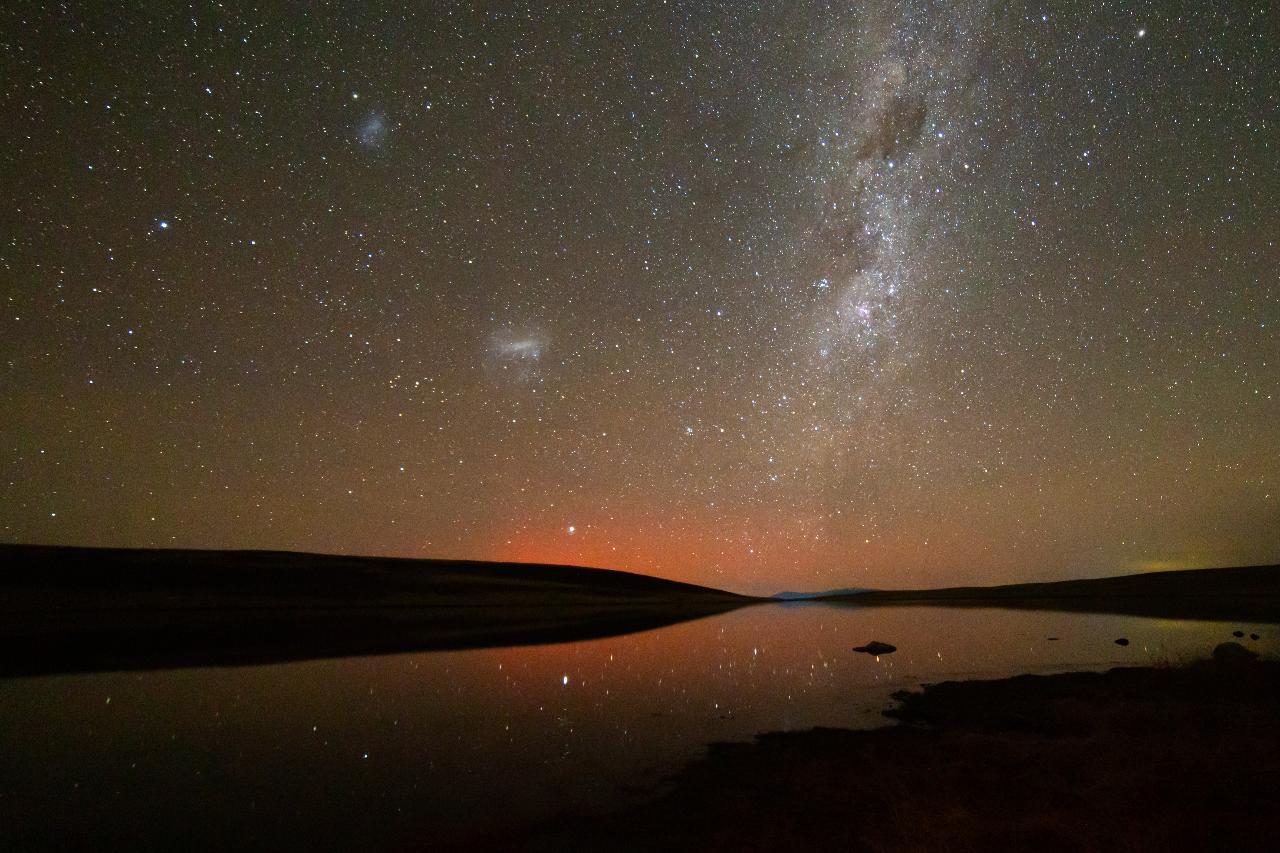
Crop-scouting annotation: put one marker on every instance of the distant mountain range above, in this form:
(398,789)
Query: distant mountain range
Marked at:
(1249,593)
(801,596)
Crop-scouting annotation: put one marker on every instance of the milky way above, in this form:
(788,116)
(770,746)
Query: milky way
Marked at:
(801,296)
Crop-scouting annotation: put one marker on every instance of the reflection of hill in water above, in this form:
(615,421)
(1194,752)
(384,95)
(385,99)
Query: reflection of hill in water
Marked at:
(80,609)
(83,609)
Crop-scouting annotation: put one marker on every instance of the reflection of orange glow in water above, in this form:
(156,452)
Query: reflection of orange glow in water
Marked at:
(470,739)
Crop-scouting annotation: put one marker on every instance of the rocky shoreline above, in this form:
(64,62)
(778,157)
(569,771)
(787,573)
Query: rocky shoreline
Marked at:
(1153,758)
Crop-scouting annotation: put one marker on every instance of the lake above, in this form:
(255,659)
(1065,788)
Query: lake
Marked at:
(410,750)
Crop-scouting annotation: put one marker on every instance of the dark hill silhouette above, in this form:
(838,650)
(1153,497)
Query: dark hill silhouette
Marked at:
(1246,592)
(88,609)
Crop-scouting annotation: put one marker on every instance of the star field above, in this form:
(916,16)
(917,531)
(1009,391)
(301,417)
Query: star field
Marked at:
(800,296)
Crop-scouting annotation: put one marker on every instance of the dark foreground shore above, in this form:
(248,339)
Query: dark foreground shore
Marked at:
(1133,759)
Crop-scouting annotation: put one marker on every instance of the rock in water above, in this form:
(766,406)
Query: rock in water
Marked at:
(1123,641)
(875,647)
(1233,653)
(1253,636)
(1237,633)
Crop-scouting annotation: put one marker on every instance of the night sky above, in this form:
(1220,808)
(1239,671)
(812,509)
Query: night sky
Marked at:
(764,297)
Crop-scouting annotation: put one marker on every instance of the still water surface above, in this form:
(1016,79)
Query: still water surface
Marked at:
(400,751)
